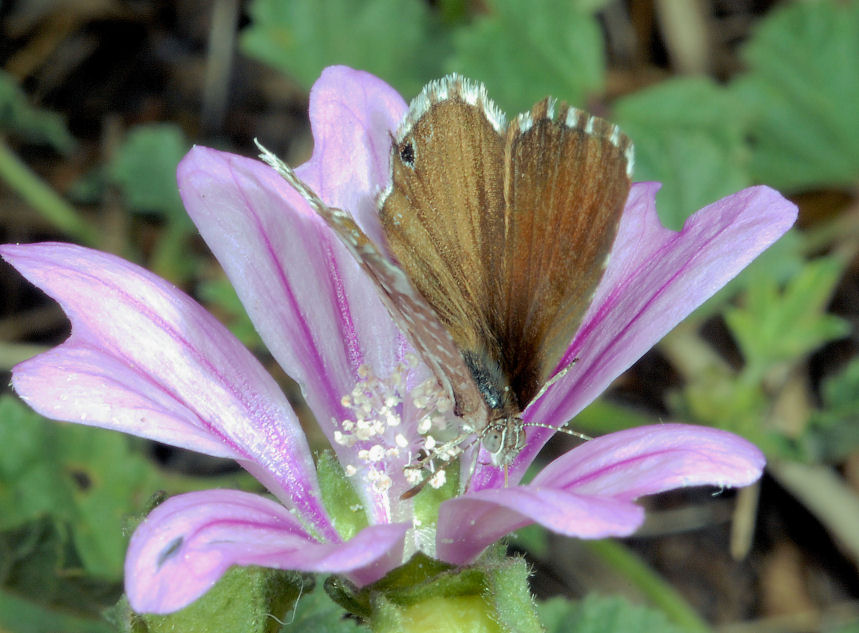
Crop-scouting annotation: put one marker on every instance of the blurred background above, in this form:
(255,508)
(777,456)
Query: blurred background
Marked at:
(99,99)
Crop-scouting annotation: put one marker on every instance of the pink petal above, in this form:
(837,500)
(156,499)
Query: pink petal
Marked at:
(186,544)
(144,358)
(649,459)
(588,492)
(352,114)
(316,310)
(468,524)
(654,279)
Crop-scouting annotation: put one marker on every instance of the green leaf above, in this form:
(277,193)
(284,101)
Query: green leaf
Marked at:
(144,167)
(850,627)
(689,135)
(598,614)
(834,429)
(88,478)
(301,37)
(653,586)
(524,51)
(21,615)
(31,485)
(841,392)
(802,90)
(39,561)
(85,478)
(780,326)
(34,125)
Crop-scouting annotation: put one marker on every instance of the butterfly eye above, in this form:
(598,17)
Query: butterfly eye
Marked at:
(493,439)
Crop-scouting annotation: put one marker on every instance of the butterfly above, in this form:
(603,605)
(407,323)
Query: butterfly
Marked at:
(499,234)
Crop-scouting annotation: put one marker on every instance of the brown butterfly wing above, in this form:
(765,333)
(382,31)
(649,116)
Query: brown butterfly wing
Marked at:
(443,218)
(565,184)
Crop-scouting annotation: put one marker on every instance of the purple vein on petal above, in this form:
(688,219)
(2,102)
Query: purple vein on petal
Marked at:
(310,350)
(312,370)
(348,333)
(255,424)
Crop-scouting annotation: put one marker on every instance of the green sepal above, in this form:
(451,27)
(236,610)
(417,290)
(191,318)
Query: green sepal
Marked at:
(510,595)
(427,594)
(248,599)
(124,619)
(466,614)
(420,577)
(342,502)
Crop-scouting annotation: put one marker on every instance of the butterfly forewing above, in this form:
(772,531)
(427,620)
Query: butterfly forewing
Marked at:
(443,214)
(565,184)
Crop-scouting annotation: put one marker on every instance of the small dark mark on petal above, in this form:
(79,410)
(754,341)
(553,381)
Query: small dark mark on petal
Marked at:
(168,552)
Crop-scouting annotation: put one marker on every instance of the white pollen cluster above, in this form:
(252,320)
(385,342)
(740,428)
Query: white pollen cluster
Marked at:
(435,454)
(373,429)
(375,405)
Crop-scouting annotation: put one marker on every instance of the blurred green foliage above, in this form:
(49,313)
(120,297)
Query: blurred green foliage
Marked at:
(144,167)
(774,328)
(802,90)
(834,427)
(70,496)
(522,54)
(690,135)
(20,119)
(603,614)
(400,43)
(144,170)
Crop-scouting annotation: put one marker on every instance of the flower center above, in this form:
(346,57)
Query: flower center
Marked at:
(384,445)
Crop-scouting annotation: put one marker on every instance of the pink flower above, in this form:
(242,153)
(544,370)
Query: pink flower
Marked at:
(146,359)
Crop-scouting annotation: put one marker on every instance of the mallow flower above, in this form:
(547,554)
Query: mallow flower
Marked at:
(146,359)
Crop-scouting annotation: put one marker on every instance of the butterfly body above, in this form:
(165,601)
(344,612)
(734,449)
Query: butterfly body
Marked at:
(502,434)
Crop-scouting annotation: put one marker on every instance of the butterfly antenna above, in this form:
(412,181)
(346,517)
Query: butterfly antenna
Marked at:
(290,176)
(549,383)
(562,429)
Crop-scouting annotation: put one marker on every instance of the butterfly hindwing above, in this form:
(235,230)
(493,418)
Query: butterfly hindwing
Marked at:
(565,184)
